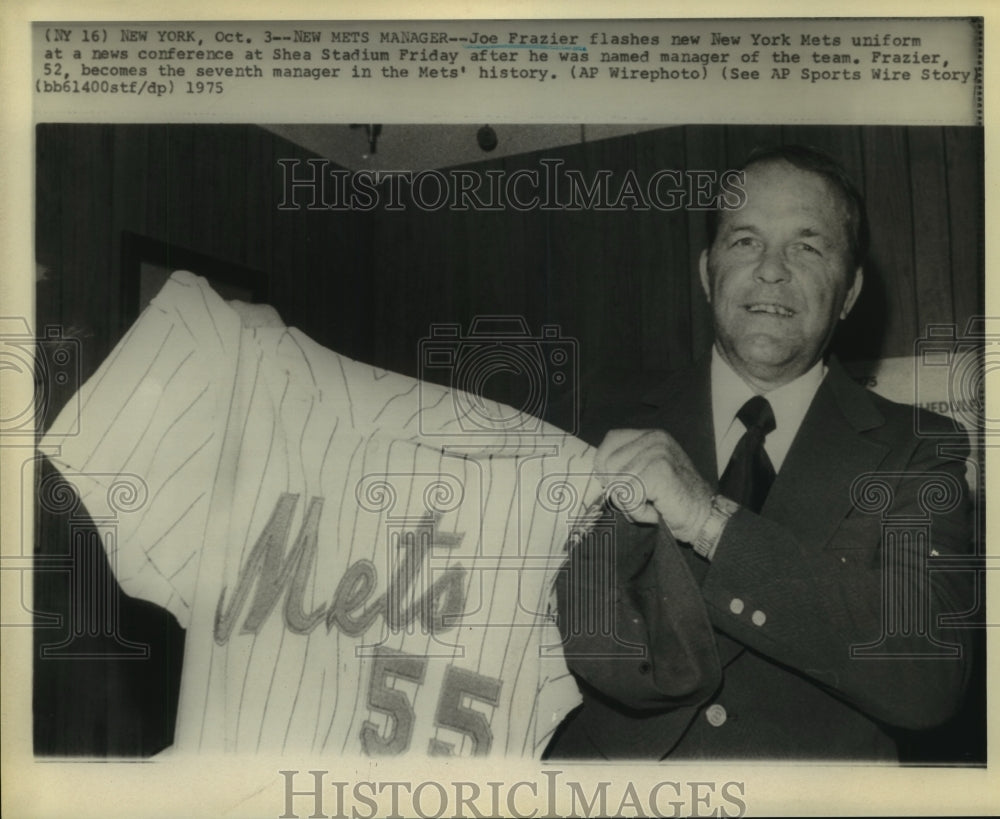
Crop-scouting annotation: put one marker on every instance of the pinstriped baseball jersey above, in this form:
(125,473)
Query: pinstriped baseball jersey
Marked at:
(355,573)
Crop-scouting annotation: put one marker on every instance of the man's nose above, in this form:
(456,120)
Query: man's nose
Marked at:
(772,268)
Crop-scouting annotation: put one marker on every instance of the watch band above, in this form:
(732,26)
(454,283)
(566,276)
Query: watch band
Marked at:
(722,509)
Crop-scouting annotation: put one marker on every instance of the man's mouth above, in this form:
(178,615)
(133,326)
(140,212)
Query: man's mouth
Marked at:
(770,308)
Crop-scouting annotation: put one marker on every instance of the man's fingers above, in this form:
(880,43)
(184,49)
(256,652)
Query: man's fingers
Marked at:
(621,446)
(645,514)
(640,470)
(613,441)
(628,495)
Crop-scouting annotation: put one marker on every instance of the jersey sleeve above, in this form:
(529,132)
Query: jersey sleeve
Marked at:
(151,423)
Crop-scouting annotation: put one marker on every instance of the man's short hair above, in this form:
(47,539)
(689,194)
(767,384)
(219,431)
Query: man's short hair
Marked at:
(815,161)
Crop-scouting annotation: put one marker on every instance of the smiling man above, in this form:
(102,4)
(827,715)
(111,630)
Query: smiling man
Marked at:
(829,635)
(781,272)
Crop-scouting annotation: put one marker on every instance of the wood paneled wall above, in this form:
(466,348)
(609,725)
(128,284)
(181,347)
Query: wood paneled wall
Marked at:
(370,284)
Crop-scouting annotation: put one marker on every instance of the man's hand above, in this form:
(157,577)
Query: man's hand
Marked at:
(660,471)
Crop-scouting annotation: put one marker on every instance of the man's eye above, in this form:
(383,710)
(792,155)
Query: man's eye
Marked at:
(808,248)
(745,241)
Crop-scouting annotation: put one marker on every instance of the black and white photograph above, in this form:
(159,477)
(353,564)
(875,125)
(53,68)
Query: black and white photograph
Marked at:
(506,467)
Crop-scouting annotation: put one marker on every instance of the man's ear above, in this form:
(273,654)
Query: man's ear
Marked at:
(852,293)
(706,285)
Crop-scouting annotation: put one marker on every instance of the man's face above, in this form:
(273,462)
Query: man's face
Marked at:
(779,274)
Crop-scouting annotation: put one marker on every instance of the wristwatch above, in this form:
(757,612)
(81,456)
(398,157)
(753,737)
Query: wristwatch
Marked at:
(722,509)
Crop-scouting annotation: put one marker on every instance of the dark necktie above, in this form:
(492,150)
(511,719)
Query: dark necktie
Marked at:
(749,474)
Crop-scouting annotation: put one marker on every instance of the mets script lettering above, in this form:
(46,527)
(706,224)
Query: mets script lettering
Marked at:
(438,608)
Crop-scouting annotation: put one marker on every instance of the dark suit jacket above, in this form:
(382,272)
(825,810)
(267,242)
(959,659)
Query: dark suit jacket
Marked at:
(826,606)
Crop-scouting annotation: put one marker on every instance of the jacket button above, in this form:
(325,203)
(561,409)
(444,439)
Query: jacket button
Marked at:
(758,618)
(716,715)
(736,605)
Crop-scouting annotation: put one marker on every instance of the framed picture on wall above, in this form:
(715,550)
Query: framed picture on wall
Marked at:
(147,263)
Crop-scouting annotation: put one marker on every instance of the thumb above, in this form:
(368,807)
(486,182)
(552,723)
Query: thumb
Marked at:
(644,514)
(627,493)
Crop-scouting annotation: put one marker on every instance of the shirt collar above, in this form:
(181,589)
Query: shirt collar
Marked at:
(790,402)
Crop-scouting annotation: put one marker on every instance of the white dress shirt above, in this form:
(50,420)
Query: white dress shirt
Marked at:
(789,403)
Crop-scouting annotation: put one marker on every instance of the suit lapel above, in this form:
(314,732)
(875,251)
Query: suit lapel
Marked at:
(812,493)
(684,409)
